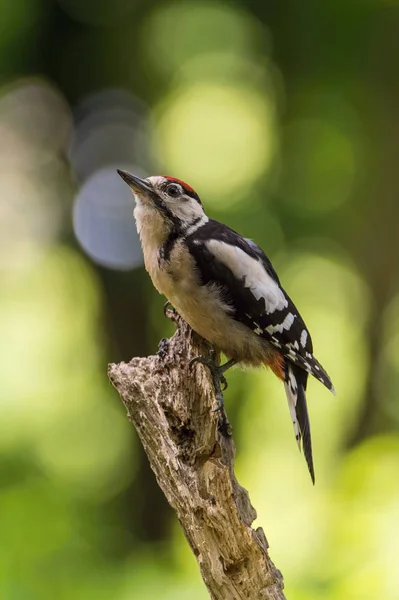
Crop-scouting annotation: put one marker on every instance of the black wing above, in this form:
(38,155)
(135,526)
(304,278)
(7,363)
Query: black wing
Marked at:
(252,288)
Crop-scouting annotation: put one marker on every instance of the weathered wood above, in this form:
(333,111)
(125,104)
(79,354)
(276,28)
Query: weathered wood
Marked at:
(170,406)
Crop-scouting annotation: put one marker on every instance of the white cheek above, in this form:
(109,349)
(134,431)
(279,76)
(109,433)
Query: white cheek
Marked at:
(186,211)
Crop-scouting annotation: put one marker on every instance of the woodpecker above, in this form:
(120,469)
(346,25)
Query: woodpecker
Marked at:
(225,287)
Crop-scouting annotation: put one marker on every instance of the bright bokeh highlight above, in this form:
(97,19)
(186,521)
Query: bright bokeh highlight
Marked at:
(218,136)
(285,122)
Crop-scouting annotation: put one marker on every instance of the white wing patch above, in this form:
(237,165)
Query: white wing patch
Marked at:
(286,324)
(252,272)
(304,337)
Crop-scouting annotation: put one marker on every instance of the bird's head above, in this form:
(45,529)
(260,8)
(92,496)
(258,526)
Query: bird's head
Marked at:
(166,197)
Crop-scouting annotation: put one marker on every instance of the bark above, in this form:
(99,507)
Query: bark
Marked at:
(170,406)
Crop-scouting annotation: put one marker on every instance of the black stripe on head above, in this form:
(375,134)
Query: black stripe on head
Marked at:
(166,249)
(161,206)
(174,234)
(187,188)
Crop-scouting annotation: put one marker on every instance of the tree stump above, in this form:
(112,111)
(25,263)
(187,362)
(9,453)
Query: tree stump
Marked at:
(170,406)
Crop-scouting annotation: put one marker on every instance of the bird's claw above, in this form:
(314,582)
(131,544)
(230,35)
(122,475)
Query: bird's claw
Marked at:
(167,309)
(170,312)
(217,373)
(220,404)
(204,360)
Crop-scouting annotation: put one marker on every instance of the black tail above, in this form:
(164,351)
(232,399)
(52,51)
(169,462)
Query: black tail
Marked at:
(295,386)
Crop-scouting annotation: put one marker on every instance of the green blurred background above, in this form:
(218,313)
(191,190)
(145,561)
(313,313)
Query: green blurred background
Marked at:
(284,116)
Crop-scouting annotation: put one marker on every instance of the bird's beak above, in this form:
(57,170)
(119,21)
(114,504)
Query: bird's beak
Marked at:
(139,186)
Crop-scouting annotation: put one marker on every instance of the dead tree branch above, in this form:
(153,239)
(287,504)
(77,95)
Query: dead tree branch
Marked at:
(170,407)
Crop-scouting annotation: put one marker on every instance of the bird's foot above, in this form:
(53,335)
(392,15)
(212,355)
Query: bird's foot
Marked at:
(218,378)
(217,373)
(170,312)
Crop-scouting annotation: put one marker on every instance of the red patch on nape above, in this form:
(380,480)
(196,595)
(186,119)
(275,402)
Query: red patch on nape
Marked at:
(185,185)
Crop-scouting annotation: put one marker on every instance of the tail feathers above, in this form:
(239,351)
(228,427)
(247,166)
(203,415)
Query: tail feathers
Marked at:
(321,374)
(311,365)
(295,386)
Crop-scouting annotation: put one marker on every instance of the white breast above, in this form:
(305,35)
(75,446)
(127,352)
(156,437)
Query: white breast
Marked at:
(202,307)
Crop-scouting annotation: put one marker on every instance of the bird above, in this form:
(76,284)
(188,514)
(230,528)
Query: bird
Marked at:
(225,287)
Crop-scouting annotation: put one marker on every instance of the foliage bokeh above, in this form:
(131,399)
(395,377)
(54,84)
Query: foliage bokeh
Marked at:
(284,117)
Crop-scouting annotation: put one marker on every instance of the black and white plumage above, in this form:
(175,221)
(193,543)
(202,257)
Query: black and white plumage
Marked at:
(225,287)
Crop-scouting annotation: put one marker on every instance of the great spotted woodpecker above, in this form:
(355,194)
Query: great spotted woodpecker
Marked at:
(226,289)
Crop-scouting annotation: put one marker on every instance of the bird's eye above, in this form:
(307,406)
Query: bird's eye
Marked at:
(173,190)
